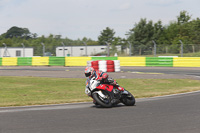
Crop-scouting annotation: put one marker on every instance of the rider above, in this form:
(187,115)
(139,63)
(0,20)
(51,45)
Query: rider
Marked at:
(101,76)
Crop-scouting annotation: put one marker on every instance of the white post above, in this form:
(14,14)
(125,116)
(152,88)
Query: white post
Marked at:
(154,48)
(43,48)
(23,49)
(63,48)
(181,48)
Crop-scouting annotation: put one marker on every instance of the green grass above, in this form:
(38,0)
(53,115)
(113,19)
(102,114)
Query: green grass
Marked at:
(22,91)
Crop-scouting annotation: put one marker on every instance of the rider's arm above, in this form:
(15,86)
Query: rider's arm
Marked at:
(103,76)
(87,91)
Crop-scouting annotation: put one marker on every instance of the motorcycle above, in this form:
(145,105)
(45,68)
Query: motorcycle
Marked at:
(107,95)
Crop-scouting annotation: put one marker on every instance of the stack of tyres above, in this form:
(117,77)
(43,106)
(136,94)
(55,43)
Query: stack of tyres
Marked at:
(95,65)
(117,65)
(110,66)
(103,66)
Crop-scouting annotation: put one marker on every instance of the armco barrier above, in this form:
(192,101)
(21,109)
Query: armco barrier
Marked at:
(9,61)
(0,61)
(104,58)
(76,61)
(24,61)
(40,61)
(132,61)
(56,61)
(159,61)
(82,61)
(186,62)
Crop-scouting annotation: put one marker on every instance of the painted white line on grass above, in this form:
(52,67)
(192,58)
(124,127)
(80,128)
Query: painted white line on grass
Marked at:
(166,96)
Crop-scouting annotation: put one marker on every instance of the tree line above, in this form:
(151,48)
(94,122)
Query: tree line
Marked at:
(167,37)
(140,37)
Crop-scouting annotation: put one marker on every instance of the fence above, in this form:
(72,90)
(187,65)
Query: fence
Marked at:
(82,61)
(174,49)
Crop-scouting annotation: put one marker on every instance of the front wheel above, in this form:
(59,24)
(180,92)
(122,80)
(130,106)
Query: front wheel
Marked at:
(128,99)
(104,102)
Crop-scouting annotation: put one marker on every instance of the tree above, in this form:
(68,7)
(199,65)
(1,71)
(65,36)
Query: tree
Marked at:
(18,32)
(158,31)
(141,35)
(107,35)
(183,17)
(195,31)
(89,41)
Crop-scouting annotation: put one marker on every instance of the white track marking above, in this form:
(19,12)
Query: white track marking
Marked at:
(79,105)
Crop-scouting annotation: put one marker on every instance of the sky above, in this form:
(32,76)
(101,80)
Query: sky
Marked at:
(76,19)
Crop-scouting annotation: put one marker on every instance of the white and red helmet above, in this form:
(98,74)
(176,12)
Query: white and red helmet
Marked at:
(89,71)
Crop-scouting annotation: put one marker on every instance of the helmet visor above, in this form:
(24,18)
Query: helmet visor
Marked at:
(87,74)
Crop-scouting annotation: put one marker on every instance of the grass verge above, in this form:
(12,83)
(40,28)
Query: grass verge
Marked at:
(22,91)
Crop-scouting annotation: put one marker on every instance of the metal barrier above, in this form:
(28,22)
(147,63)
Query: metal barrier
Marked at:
(83,61)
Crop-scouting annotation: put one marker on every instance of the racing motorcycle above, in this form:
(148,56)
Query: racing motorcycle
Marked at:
(107,95)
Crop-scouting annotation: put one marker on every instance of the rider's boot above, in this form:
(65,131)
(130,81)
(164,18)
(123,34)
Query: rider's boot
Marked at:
(116,85)
(122,90)
(119,88)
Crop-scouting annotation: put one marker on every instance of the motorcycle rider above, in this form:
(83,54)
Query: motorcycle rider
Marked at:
(101,76)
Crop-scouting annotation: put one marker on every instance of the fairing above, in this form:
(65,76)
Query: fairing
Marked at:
(105,87)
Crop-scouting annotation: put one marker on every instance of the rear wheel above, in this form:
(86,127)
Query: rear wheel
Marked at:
(104,102)
(128,99)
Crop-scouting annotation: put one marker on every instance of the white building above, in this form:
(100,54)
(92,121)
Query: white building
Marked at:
(82,50)
(16,52)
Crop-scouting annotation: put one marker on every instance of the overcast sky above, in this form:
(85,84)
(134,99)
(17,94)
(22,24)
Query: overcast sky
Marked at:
(87,18)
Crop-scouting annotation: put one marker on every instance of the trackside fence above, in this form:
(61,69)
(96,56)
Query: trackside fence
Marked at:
(82,61)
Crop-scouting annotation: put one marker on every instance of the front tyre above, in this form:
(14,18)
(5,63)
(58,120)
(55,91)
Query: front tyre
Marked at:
(104,102)
(128,99)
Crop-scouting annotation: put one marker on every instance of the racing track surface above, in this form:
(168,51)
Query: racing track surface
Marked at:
(170,114)
(126,72)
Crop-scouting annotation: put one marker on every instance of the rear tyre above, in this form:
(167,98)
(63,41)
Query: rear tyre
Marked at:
(128,100)
(101,101)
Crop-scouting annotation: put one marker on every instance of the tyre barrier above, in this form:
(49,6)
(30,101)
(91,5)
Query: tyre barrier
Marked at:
(105,65)
(117,65)
(95,65)
(110,66)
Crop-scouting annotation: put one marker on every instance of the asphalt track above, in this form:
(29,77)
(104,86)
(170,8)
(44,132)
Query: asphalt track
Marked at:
(126,72)
(169,114)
